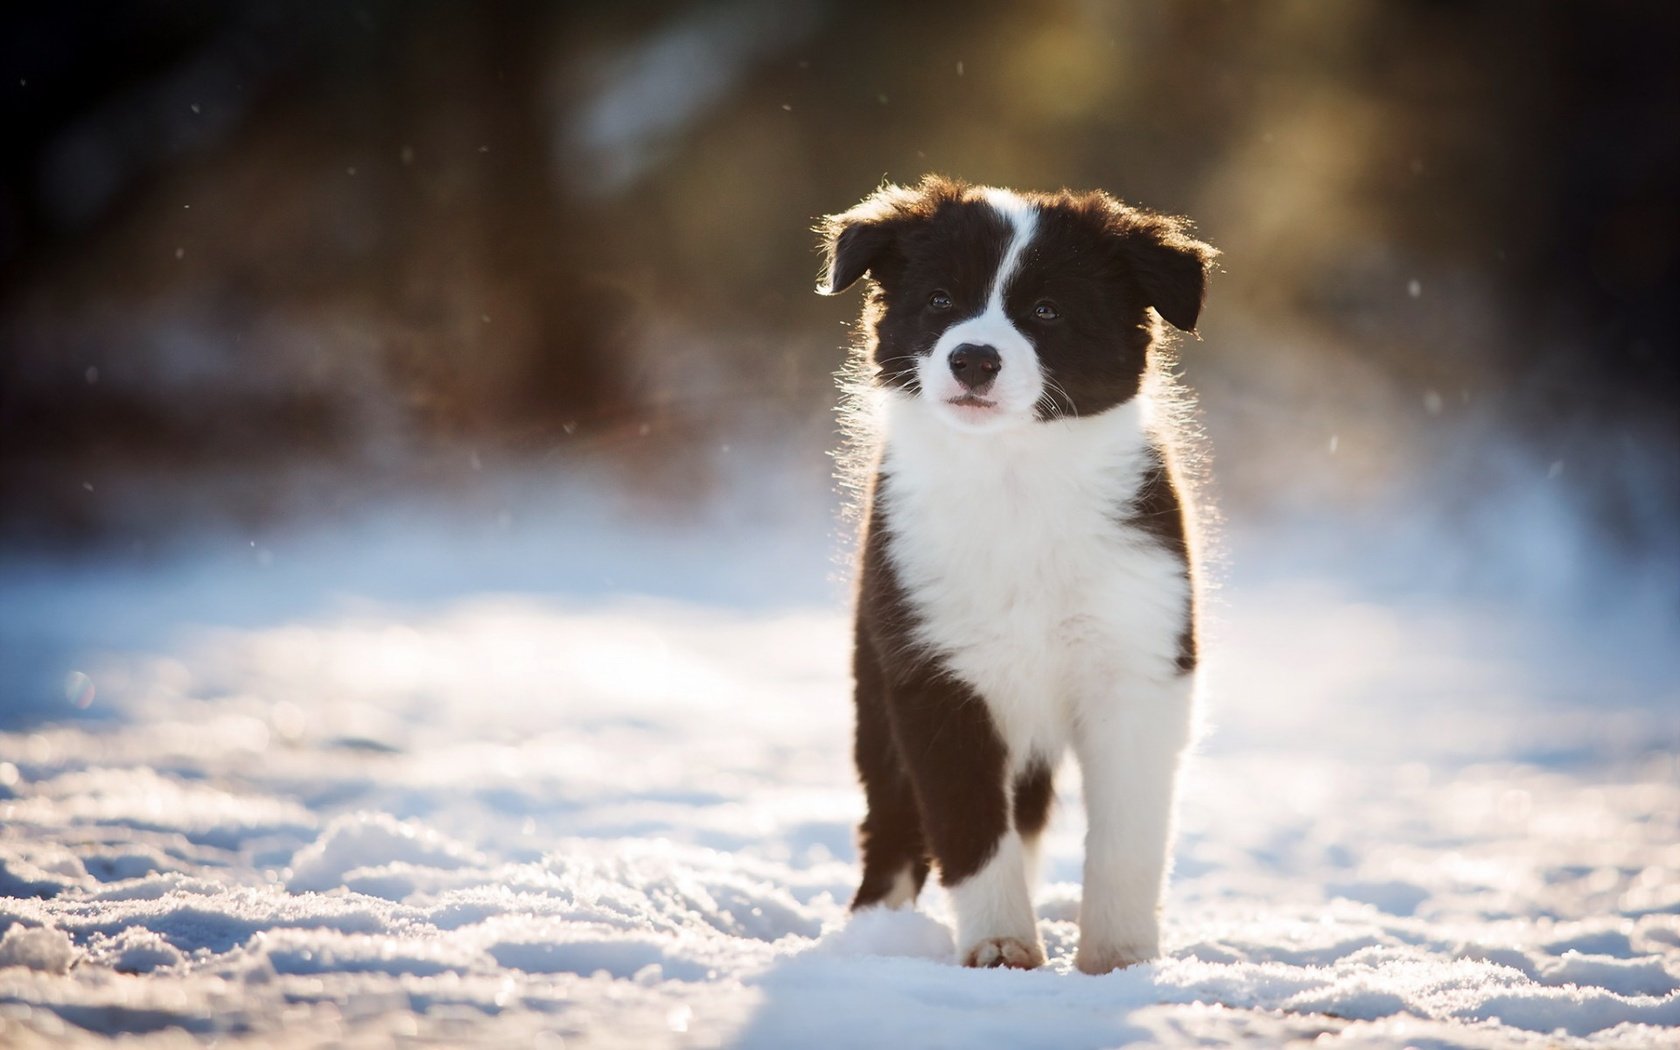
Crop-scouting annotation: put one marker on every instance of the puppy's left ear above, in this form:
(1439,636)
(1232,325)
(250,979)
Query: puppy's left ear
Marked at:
(1170,266)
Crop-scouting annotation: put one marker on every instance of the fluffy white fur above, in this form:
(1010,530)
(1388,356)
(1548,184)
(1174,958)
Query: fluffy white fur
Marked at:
(1011,546)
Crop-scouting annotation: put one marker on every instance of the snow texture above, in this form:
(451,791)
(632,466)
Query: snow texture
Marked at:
(528,821)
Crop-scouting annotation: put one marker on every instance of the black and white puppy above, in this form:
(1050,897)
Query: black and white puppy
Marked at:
(1026,582)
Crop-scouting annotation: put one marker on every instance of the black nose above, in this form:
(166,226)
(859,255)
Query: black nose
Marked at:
(975,366)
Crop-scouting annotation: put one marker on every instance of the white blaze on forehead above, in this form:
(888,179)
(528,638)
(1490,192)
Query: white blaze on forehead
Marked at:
(1022,218)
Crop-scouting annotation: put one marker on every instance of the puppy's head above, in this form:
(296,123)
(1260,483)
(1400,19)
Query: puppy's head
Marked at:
(999,309)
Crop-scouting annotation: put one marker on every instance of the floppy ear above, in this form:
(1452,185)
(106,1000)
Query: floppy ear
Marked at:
(853,249)
(1170,266)
(864,238)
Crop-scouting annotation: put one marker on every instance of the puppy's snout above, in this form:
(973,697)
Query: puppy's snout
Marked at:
(975,366)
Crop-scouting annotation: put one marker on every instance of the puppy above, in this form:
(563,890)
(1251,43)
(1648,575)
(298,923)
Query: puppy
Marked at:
(1027,582)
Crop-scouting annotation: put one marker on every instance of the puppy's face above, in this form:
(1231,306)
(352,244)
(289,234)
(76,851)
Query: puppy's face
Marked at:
(996,309)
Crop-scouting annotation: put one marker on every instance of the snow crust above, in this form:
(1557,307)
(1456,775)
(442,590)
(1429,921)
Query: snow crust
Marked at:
(523,821)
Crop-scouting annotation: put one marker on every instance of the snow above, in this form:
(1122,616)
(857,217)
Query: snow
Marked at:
(37,948)
(563,816)
(887,932)
(374,846)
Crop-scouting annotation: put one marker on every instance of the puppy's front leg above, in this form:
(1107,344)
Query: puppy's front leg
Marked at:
(1129,746)
(995,922)
(960,770)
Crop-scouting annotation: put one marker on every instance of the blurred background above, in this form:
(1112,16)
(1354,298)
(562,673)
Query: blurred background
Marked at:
(405,299)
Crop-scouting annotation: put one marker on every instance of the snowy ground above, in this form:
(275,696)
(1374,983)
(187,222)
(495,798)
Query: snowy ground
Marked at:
(563,816)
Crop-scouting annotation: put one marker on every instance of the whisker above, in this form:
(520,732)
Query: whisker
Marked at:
(1052,390)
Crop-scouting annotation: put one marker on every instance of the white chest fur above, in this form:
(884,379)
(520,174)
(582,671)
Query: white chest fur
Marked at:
(1013,550)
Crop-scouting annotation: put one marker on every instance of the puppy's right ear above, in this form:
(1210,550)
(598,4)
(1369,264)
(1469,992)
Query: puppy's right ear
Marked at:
(853,249)
(863,239)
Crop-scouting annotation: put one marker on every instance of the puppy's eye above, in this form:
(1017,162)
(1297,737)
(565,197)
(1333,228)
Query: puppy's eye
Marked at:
(1046,311)
(940,300)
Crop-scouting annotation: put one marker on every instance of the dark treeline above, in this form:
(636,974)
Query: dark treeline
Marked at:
(245,241)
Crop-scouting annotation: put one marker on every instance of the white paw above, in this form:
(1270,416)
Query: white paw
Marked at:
(1095,959)
(1012,952)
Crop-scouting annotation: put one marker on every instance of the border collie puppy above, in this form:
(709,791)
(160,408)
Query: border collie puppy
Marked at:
(1026,583)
